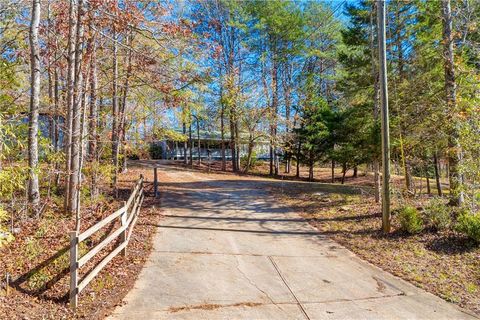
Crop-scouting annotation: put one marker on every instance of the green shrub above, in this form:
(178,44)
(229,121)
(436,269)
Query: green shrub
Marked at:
(410,220)
(437,214)
(253,160)
(156,151)
(5,235)
(469,225)
(460,211)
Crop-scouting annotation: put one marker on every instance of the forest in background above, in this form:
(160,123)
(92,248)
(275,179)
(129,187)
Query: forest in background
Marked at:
(87,84)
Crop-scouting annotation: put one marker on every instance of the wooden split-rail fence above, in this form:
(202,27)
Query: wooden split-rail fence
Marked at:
(128,215)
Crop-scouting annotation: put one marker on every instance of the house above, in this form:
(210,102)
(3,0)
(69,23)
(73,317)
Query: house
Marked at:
(210,145)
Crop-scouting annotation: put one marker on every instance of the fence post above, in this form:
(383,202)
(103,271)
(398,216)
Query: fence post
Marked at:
(73,269)
(155,182)
(123,235)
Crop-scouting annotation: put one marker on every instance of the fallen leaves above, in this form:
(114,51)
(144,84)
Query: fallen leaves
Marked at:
(38,256)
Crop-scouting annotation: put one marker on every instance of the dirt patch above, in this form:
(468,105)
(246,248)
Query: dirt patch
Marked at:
(208,306)
(38,260)
(380,285)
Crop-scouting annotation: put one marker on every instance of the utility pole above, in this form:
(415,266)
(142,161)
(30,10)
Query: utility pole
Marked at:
(384,115)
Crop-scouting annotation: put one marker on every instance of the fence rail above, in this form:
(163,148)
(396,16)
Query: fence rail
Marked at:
(128,215)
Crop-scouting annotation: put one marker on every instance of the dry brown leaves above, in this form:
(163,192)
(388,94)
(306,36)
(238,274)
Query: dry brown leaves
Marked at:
(38,262)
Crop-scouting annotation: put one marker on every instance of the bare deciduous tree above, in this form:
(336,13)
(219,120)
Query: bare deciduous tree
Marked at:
(33,186)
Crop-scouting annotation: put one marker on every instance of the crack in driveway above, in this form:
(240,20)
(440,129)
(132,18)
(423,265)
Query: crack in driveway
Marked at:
(251,281)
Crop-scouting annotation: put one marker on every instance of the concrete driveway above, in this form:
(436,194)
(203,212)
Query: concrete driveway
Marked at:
(226,251)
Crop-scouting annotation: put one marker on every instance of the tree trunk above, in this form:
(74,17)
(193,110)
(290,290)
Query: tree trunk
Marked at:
(376,95)
(115,149)
(230,44)
(93,118)
(274,110)
(70,99)
(299,150)
(222,125)
(50,56)
(249,156)
(122,129)
(288,164)
(268,112)
(222,133)
(310,168)
(33,185)
(429,191)
(344,172)
(287,93)
(237,145)
(56,98)
(82,146)
(437,174)
(277,163)
(185,144)
(190,142)
(455,150)
(355,172)
(233,147)
(333,171)
(51,114)
(271,153)
(76,118)
(199,149)
(406,171)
